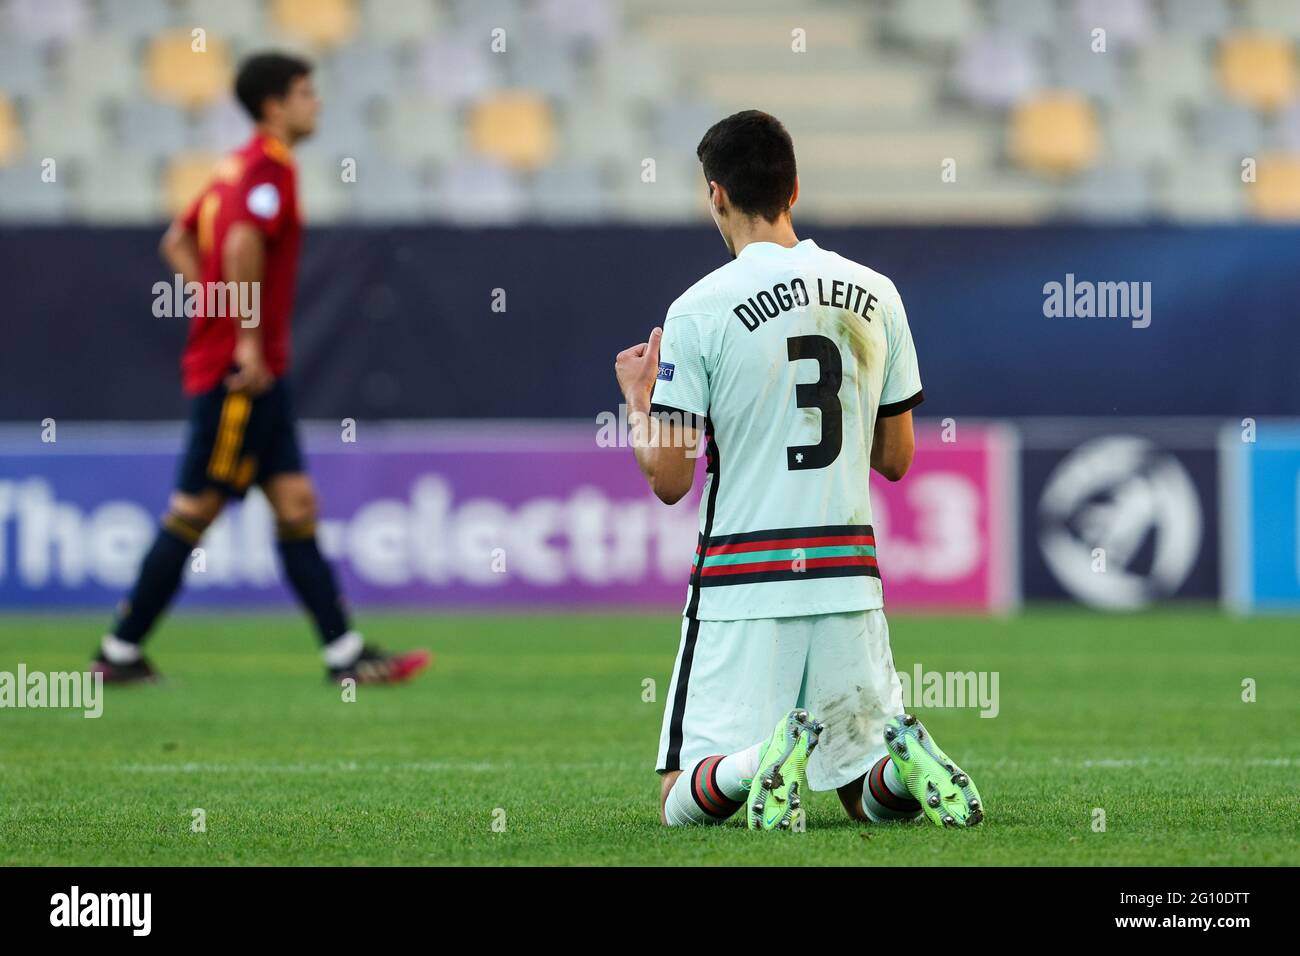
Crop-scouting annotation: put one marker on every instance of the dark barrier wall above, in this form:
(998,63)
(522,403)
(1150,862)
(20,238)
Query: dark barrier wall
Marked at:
(399,322)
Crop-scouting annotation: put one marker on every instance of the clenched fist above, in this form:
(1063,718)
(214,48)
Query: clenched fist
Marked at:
(637,369)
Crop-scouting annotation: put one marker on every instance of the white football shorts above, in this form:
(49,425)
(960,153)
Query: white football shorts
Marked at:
(734,679)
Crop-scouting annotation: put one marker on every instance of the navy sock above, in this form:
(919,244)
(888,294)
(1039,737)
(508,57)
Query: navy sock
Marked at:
(159,578)
(312,579)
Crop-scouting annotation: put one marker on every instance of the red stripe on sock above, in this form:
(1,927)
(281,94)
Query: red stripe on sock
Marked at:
(883,795)
(708,796)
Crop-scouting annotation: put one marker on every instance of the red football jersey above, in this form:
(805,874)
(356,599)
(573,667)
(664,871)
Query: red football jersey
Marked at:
(256,184)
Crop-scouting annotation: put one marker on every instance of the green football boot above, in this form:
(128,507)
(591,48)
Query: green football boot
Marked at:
(782,765)
(946,793)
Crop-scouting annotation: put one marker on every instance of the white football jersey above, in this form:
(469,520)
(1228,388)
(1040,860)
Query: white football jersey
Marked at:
(786,357)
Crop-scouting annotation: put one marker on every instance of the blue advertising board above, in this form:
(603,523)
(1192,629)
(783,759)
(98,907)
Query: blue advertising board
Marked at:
(1261,465)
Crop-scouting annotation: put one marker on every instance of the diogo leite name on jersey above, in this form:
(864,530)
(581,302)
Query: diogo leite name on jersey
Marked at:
(835,294)
(74,908)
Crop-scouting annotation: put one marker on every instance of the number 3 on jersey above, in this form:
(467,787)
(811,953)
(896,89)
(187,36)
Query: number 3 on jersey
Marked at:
(823,394)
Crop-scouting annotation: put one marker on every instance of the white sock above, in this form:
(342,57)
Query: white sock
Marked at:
(884,795)
(118,651)
(711,791)
(739,766)
(343,651)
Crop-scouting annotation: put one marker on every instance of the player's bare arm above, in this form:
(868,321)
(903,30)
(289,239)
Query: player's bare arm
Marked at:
(893,446)
(244,259)
(664,449)
(179,248)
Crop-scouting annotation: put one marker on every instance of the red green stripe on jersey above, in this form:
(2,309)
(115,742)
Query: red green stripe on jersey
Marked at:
(788,554)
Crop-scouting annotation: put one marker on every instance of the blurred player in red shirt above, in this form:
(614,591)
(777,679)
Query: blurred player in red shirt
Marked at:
(240,240)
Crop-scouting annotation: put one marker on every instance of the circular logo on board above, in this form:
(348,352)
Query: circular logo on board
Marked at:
(1120,523)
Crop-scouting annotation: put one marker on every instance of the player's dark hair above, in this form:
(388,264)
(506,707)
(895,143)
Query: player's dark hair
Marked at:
(267,75)
(750,154)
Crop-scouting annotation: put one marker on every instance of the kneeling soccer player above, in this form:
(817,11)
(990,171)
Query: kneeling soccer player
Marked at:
(243,232)
(797,366)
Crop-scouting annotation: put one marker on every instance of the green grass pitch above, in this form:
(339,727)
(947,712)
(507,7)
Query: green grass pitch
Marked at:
(538,722)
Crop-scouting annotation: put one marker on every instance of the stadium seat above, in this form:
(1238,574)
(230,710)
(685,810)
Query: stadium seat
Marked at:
(997,69)
(1074,65)
(1111,193)
(420,128)
(600,128)
(400,20)
(322,23)
(184,177)
(515,128)
(1278,16)
(1286,129)
(679,126)
(546,68)
(677,194)
(1275,194)
(153,130)
(140,20)
(1173,70)
(117,187)
(100,66)
(242,22)
(1143,132)
(176,73)
(359,75)
(66,127)
(22,69)
(223,126)
(473,191)
(934,26)
(1227,129)
(571,193)
(456,68)
(1197,20)
(1257,69)
(634,70)
(322,194)
(25,198)
(11,135)
(389,190)
(587,22)
(1054,134)
(1201,188)
(47,21)
(1125,21)
(1031,18)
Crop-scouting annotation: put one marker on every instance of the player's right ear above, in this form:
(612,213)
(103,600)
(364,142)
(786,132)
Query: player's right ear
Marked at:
(718,198)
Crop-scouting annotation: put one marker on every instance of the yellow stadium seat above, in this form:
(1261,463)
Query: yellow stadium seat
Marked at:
(11,136)
(185,177)
(1055,134)
(178,73)
(323,23)
(516,128)
(1258,69)
(1275,193)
